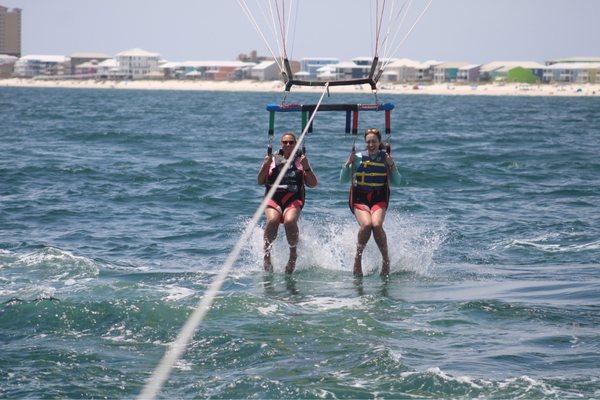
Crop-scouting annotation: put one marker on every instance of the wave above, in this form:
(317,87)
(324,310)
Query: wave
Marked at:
(40,273)
(554,243)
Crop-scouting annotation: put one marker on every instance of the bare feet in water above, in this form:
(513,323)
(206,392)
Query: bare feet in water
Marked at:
(291,264)
(385,268)
(267,263)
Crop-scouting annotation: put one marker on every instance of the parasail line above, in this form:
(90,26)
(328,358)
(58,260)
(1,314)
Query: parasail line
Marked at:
(176,349)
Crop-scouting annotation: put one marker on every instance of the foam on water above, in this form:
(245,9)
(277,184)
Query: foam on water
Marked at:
(44,272)
(555,243)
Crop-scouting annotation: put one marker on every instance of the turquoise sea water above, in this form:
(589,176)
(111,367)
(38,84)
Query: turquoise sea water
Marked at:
(118,207)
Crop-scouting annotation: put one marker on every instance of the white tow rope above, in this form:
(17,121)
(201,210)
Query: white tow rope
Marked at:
(163,369)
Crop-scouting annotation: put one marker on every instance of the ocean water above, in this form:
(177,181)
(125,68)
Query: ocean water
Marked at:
(117,208)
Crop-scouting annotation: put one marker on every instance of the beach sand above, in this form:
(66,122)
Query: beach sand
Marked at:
(509,89)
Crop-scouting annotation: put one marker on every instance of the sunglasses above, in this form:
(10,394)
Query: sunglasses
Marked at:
(288,141)
(371,141)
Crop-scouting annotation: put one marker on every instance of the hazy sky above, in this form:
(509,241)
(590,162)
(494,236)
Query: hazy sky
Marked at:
(471,30)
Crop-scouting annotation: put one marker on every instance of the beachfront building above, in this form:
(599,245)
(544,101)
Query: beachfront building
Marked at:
(209,70)
(402,70)
(571,60)
(499,70)
(468,73)
(343,70)
(266,71)
(572,72)
(7,65)
(108,69)
(10,31)
(42,65)
(425,70)
(86,69)
(448,71)
(136,63)
(309,66)
(77,59)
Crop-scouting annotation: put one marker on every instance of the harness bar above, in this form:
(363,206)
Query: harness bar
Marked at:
(371,79)
(295,107)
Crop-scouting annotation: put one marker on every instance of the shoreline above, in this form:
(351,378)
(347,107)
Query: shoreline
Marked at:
(450,89)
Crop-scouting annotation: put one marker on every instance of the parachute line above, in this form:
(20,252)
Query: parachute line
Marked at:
(248,13)
(407,34)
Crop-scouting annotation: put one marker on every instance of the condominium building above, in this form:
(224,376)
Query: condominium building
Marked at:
(10,31)
(136,63)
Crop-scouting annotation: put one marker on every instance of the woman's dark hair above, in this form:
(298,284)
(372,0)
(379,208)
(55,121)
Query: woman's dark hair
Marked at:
(374,131)
(284,134)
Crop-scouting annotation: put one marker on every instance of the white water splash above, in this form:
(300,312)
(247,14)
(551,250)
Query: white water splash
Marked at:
(175,292)
(331,244)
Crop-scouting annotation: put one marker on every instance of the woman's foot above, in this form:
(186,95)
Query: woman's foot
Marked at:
(291,264)
(385,267)
(358,267)
(267,263)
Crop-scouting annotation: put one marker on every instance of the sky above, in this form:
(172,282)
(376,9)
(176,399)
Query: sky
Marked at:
(477,31)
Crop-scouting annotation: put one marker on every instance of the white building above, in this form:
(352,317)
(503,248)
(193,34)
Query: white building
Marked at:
(136,63)
(402,70)
(311,65)
(266,71)
(42,65)
(108,69)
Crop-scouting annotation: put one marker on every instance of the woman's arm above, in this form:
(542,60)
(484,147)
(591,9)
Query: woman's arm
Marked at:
(394,175)
(263,173)
(309,175)
(345,172)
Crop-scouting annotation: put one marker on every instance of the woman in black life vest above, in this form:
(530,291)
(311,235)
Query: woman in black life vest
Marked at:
(288,200)
(374,171)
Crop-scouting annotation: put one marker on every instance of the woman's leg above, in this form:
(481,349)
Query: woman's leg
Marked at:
(364,233)
(377,218)
(271,227)
(290,222)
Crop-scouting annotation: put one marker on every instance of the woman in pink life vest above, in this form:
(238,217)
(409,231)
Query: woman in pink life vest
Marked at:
(288,200)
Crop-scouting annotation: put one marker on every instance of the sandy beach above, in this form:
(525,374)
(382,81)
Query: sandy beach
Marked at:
(509,89)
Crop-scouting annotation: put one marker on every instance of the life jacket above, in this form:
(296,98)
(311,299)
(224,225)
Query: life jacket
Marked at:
(372,174)
(369,176)
(293,180)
